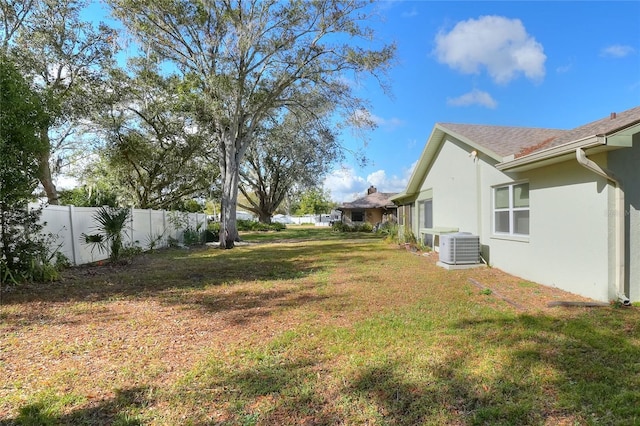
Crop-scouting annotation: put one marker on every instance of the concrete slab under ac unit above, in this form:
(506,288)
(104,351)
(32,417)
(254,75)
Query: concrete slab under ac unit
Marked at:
(450,267)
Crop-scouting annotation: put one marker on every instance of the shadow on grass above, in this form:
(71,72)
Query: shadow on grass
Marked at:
(270,391)
(247,305)
(549,371)
(152,275)
(121,410)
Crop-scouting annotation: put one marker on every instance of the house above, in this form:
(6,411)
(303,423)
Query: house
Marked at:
(558,207)
(374,208)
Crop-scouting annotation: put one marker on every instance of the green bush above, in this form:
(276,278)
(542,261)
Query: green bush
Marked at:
(111,224)
(341,227)
(388,230)
(364,227)
(213,232)
(278,226)
(251,225)
(245,224)
(191,237)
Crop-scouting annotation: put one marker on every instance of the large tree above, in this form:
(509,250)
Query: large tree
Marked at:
(155,156)
(62,56)
(251,60)
(22,114)
(289,157)
(314,201)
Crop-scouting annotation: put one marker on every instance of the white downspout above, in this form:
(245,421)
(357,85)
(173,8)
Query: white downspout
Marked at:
(581,156)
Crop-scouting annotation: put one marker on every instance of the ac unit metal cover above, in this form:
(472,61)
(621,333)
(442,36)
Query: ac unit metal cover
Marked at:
(459,248)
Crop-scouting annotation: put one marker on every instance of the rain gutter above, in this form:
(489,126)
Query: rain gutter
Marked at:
(582,159)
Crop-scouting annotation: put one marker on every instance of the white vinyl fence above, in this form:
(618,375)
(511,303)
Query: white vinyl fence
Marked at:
(69,224)
(315,219)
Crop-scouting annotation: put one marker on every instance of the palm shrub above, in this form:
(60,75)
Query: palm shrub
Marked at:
(111,222)
(389,230)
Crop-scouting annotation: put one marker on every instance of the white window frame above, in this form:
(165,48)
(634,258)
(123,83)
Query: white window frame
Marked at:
(510,209)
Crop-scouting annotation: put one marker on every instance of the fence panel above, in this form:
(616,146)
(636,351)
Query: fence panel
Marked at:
(69,224)
(56,221)
(157,229)
(83,224)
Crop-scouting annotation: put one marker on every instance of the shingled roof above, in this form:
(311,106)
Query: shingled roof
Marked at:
(520,147)
(503,140)
(604,126)
(371,201)
(521,141)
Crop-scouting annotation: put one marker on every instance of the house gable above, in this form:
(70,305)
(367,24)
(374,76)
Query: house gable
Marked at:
(494,142)
(575,225)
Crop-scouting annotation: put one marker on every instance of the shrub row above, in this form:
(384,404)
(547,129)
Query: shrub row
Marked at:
(343,227)
(243,225)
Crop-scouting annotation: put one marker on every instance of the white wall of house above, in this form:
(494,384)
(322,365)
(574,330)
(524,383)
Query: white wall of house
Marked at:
(452,182)
(625,164)
(568,246)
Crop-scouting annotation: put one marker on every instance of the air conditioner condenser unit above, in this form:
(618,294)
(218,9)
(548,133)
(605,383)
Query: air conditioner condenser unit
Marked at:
(459,248)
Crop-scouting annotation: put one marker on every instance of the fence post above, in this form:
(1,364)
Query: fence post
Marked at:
(151,236)
(74,247)
(164,228)
(131,228)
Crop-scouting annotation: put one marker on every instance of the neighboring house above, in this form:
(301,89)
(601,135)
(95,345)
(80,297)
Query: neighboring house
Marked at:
(374,208)
(558,207)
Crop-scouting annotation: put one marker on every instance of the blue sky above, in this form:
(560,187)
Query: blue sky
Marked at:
(538,64)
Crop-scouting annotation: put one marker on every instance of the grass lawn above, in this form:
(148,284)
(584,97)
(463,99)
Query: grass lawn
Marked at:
(303,327)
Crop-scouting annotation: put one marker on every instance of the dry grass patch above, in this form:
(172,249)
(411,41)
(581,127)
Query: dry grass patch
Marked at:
(314,332)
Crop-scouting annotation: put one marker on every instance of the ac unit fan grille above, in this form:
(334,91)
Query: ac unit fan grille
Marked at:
(460,248)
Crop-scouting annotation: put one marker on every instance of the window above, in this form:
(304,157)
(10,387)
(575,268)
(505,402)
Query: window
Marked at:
(511,209)
(357,215)
(427,213)
(404,215)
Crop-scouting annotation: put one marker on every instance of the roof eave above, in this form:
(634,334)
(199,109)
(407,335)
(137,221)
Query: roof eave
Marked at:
(471,143)
(550,155)
(437,137)
(621,137)
(399,197)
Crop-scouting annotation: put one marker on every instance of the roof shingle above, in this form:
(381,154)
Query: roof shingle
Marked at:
(521,141)
(371,201)
(503,140)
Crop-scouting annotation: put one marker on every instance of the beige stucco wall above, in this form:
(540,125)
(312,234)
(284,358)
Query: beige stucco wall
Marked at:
(452,182)
(371,216)
(568,246)
(625,163)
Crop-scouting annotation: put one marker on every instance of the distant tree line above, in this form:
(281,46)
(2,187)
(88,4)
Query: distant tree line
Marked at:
(217,99)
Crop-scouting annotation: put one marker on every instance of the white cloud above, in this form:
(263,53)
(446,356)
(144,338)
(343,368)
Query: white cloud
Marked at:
(389,123)
(345,185)
(410,13)
(617,51)
(475,97)
(66,182)
(499,44)
(362,118)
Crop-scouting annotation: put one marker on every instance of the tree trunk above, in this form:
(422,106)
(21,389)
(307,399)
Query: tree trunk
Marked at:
(229,168)
(265,217)
(44,172)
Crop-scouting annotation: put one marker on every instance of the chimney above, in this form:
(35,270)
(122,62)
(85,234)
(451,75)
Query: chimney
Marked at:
(372,190)
(613,115)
